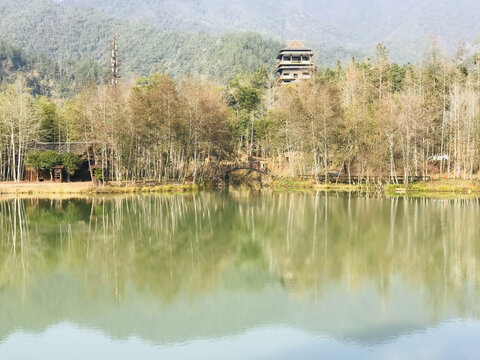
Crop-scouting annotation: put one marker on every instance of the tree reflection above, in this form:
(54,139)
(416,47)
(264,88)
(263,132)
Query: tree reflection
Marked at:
(193,244)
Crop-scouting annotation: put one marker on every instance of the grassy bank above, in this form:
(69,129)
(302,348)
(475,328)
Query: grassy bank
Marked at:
(444,187)
(88,188)
(309,185)
(145,189)
(437,186)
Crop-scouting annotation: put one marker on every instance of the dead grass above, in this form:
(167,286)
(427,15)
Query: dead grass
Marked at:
(45,188)
(28,188)
(438,186)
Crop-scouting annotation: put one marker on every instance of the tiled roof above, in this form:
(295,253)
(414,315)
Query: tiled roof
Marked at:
(295,44)
(77,148)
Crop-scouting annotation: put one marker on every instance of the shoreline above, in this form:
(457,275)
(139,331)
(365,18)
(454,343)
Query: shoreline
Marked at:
(87,188)
(429,188)
(432,188)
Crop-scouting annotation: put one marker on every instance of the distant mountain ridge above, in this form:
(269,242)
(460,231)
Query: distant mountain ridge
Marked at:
(208,37)
(67,34)
(404,26)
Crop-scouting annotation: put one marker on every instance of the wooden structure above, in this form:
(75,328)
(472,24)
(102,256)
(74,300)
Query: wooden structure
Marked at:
(59,174)
(295,62)
(32,175)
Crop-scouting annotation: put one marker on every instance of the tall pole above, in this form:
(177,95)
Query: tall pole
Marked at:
(115,62)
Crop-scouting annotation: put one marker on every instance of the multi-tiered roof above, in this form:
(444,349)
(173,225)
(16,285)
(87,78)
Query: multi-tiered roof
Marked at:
(295,62)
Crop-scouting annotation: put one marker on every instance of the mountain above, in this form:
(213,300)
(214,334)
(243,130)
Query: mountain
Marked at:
(404,26)
(66,34)
(45,77)
(221,39)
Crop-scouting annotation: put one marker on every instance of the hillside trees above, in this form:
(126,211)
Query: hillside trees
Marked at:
(75,39)
(44,76)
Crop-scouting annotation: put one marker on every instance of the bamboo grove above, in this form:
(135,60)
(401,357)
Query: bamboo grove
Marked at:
(371,119)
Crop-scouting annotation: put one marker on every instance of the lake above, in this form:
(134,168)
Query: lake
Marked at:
(240,275)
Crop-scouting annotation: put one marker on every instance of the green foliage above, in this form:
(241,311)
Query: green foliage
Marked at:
(246,90)
(87,71)
(98,174)
(71,162)
(44,76)
(248,98)
(398,75)
(260,78)
(47,111)
(49,159)
(11,57)
(80,34)
(34,160)
(182,41)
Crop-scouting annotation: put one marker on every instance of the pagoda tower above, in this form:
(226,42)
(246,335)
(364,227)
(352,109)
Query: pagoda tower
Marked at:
(295,62)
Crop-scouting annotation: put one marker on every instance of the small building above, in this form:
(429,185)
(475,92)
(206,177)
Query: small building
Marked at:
(59,173)
(33,175)
(295,62)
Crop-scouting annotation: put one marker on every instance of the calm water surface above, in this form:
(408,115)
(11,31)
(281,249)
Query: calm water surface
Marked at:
(240,276)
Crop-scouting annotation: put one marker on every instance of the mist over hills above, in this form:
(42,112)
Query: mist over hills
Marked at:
(404,26)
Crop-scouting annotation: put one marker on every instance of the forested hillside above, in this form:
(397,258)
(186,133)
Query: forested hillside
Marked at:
(44,76)
(72,34)
(404,26)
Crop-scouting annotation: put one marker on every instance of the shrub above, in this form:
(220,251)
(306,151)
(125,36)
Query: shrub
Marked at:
(71,162)
(48,160)
(33,159)
(99,174)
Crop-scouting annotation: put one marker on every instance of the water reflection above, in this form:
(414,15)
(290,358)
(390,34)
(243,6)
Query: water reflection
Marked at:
(167,269)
